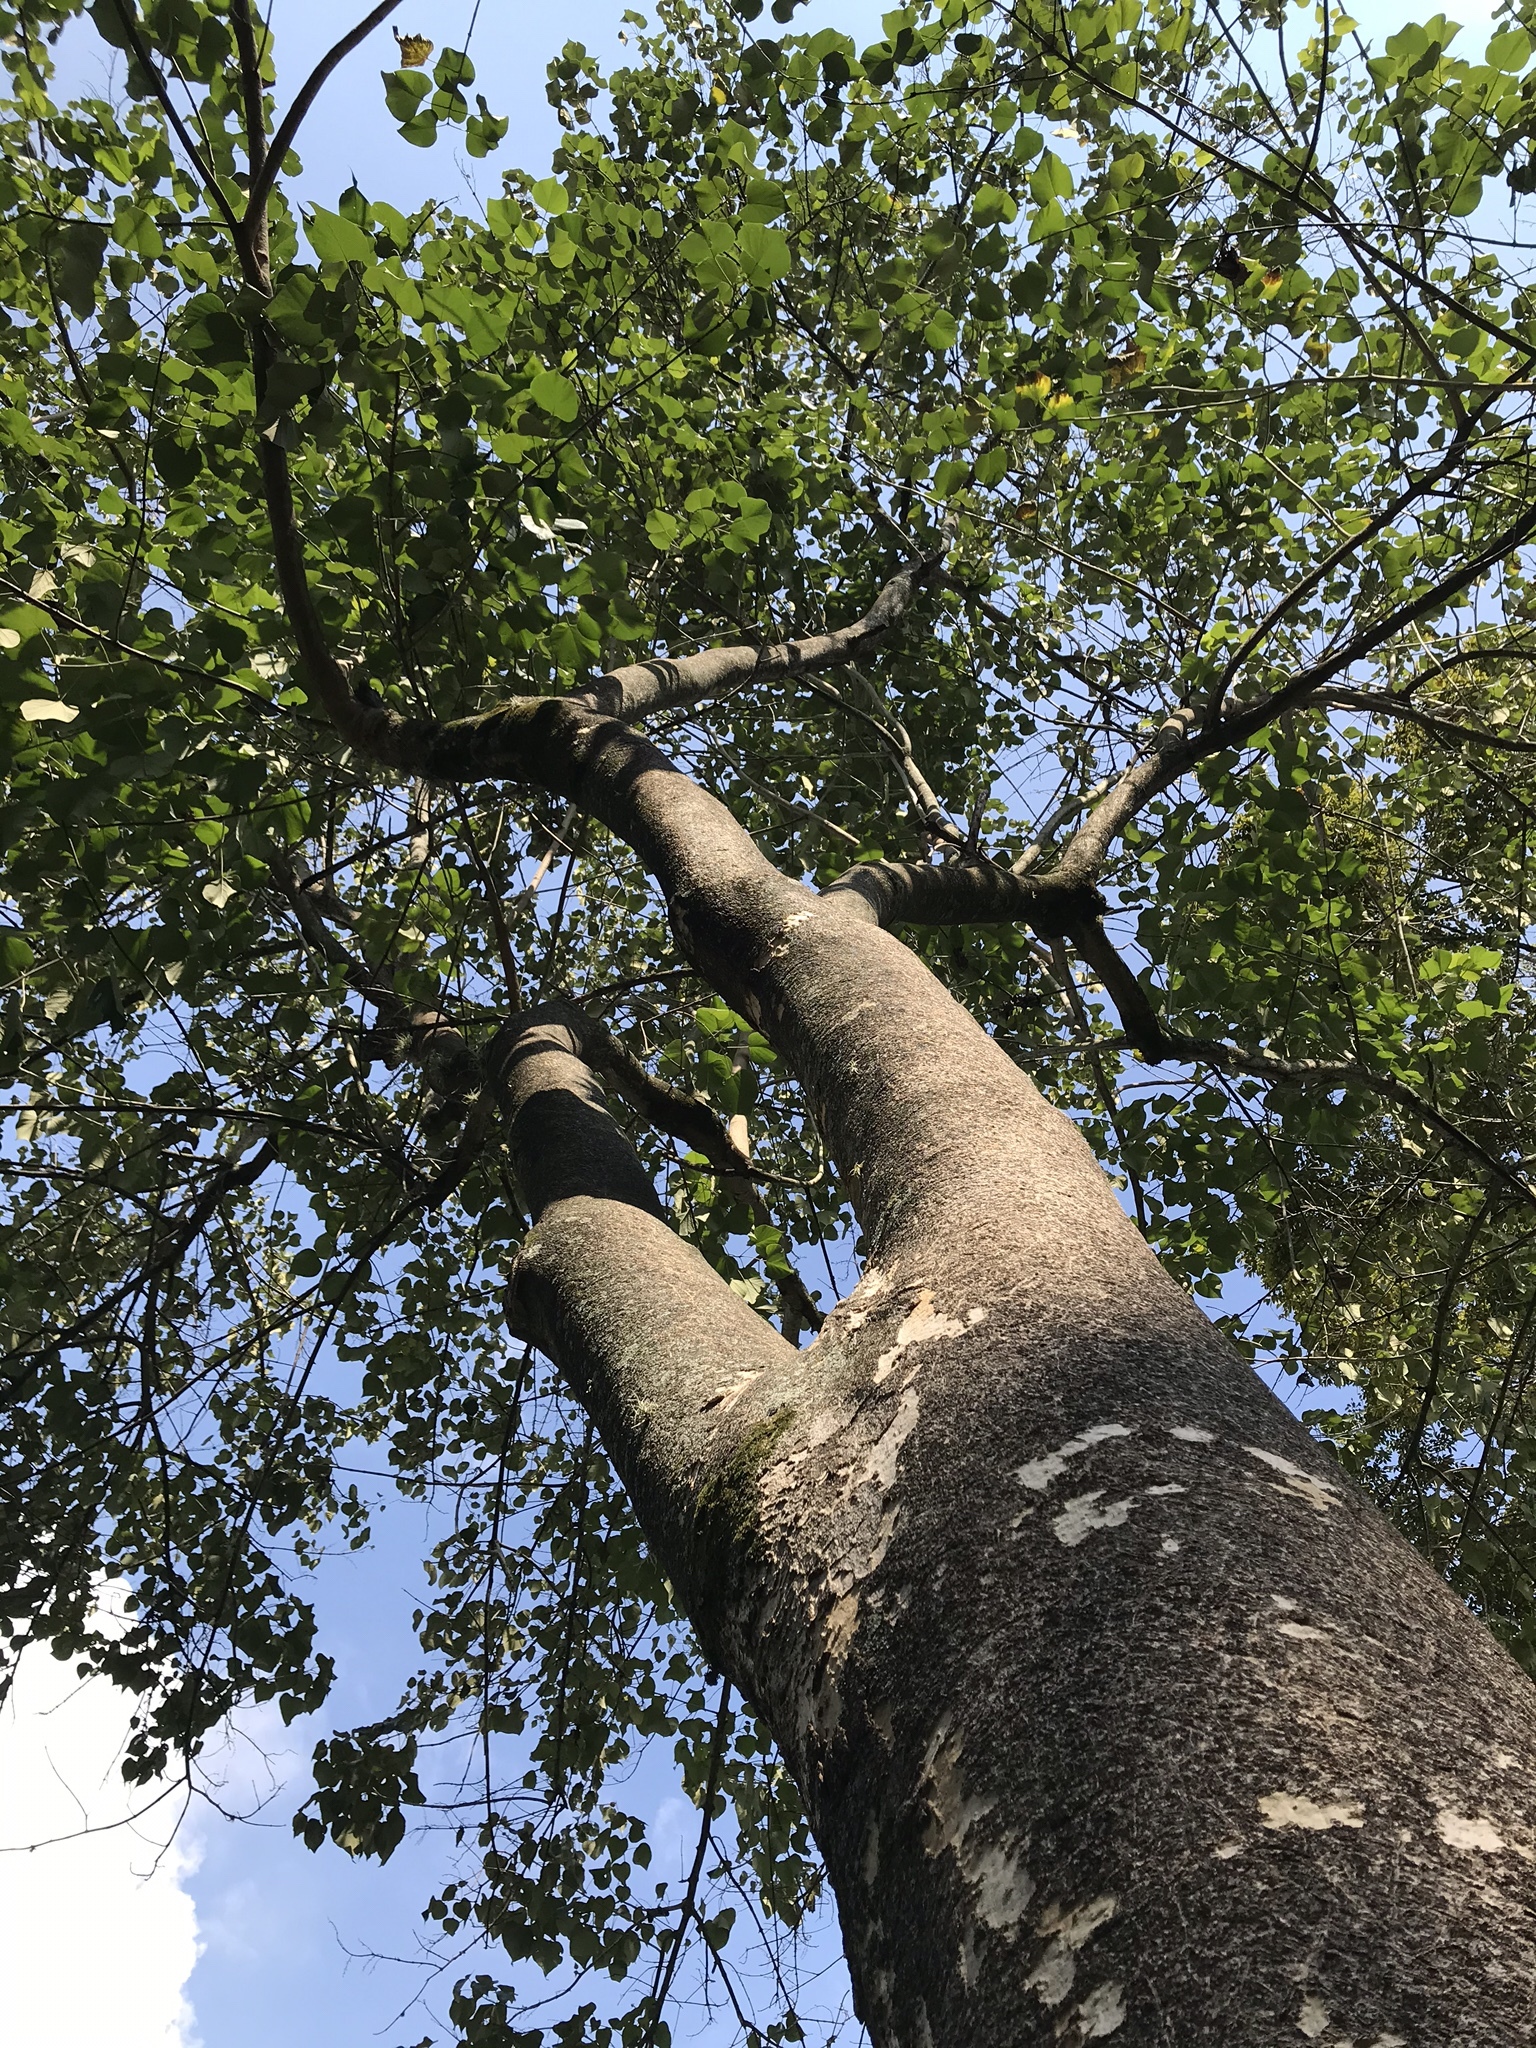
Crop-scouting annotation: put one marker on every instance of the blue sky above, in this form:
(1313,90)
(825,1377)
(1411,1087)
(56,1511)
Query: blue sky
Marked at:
(284,1936)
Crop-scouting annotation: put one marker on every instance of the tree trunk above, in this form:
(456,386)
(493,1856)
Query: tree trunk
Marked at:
(1116,1710)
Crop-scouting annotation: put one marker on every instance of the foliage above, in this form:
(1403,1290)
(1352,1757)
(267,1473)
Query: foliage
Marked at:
(1191,354)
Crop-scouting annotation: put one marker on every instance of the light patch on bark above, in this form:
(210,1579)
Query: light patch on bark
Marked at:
(1317,1493)
(829,1423)
(1080,1517)
(1313,2020)
(1162,1492)
(1101,2013)
(872,1284)
(1296,1810)
(781,951)
(1169,1546)
(1053,1976)
(1225,1851)
(1002,1887)
(876,1556)
(1041,1472)
(1285,1603)
(1469,1831)
(923,1324)
(728,1392)
(837,1631)
(1188,1434)
(824,1708)
(880,1466)
(1299,1632)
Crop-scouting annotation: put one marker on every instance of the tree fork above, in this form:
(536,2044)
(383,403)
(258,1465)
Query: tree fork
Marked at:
(1116,1710)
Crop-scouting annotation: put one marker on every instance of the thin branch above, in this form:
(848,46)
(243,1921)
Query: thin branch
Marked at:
(1078,1012)
(291,122)
(1157,1045)
(1443,1307)
(437,1043)
(1233,1059)
(661,685)
(1243,723)
(254,103)
(168,665)
(1064,813)
(1350,546)
(1394,706)
(666,1964)
(126,15)
(186,1228)
(1323,212)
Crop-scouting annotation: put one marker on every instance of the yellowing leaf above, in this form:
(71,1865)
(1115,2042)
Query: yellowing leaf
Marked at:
(413,49)
(43,710)
(1037,387)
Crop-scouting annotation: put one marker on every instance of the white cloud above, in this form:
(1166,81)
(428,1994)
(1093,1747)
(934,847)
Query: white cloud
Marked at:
(97,1935)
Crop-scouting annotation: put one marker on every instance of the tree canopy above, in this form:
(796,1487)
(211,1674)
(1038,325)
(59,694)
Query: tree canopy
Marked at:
(1178,376)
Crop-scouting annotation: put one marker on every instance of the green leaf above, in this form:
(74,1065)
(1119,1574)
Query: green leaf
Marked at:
(484,131)
(1508,50)
(404,92)
(764,254)
(77,260)
(420,131)
(1050,179)
(990,204)
(555,394)
(1048,220)
(453,70)
(336,240)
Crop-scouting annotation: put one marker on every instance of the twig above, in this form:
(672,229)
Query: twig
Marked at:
(291,122)
(158,86)
(666,1964)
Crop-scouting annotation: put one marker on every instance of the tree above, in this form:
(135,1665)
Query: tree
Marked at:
(559,760)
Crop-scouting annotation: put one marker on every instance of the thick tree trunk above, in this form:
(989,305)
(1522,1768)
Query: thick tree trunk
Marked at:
(1116,1710)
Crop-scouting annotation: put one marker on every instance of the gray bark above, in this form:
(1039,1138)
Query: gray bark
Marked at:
(1117,1711)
